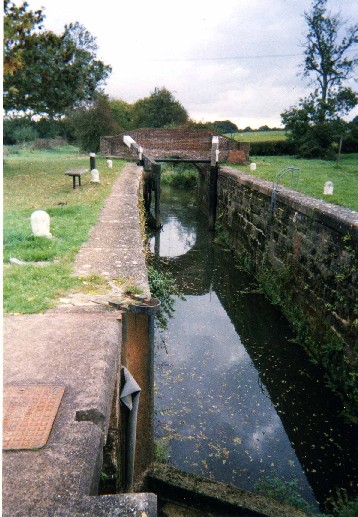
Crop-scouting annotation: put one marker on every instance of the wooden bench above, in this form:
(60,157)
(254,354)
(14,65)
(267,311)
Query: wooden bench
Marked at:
(76,173)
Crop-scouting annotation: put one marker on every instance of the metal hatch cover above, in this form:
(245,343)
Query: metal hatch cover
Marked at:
(29,412)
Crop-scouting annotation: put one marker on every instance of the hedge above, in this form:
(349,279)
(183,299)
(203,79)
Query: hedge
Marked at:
(272,148)
(283,147)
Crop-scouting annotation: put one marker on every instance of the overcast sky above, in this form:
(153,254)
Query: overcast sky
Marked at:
(228,59)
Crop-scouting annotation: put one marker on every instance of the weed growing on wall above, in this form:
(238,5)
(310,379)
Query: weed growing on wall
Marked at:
(163,287)
(285,492)
(161,450)
(222,236)
(342,506)
(329,351)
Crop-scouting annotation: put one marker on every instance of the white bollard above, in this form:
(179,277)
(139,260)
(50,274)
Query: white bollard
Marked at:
(328,188)
(40,223)
(94,176)
(252,166)
(109,164)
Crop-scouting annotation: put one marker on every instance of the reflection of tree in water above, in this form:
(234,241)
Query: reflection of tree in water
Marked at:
(191,268)
(178,233)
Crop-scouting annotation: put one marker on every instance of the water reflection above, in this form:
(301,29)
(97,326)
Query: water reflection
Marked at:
(173,240)
(236,399)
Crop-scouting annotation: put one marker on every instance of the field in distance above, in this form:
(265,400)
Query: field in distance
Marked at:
(258,136)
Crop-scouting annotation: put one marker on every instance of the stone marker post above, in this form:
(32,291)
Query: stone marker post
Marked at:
(40,223)
(94,176)
(328,188)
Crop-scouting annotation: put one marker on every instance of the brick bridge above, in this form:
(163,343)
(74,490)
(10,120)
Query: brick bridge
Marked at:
(176,143)
(200,147)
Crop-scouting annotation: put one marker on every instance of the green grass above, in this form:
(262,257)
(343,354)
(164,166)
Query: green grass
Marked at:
(35,180)
(258,136)
(313,175)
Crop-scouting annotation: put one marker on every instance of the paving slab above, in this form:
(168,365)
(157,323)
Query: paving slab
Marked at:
(77,346)
(79,352)
(115,245)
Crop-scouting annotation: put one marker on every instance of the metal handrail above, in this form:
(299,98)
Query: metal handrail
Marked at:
(275,187)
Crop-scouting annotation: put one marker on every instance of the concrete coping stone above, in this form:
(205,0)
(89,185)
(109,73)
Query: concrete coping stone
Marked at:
(203,493)
(135,505)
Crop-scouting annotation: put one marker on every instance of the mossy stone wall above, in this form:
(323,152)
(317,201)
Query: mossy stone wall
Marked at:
(304,253)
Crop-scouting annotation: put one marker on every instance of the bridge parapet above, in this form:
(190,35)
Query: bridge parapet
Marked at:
(178,143)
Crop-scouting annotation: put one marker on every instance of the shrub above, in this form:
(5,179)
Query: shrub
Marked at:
(23,129)
(48,143)
(179,175)
(24,134)
(17,130)
(47,128)
(87,125)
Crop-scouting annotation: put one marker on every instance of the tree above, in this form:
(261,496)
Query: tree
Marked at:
(85,75)
(48,73)
(224,126)
(316,121)
(19,28)
(87,124)
(350,137)
(122,113)
(160,109)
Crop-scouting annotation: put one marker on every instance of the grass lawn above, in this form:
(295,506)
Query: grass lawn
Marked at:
(258,136)
(35,180)
(313,175)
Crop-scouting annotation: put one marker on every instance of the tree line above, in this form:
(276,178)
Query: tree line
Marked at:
(85,124)
(53,86)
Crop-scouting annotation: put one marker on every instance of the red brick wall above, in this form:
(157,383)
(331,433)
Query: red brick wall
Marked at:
(175,143)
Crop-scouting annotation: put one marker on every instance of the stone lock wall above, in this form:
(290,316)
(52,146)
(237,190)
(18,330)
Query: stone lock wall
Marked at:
(304,253)
(176,143)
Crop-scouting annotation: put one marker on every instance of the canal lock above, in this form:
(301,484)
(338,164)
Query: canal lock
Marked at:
(236,399)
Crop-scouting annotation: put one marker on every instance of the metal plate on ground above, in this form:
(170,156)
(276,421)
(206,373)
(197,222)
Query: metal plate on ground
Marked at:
(29,412)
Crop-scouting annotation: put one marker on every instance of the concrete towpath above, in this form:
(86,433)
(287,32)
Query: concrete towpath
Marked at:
(77,346)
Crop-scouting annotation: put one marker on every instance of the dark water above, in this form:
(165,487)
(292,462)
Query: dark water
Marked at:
(236,399)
